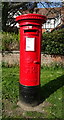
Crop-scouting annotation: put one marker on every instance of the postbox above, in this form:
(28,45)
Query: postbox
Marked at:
(30,56)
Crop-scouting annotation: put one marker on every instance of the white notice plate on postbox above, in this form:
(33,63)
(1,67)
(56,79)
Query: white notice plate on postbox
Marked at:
(30,44)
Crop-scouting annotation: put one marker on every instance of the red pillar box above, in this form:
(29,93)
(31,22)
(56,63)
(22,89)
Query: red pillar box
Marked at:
(30,56)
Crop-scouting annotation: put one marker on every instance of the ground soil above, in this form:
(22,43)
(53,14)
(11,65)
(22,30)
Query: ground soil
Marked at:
(19,109)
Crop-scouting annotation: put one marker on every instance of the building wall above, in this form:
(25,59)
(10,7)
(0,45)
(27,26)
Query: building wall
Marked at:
(53,19)
(43,30)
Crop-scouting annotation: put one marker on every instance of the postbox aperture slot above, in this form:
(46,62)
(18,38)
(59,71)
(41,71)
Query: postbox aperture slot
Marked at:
(29,30)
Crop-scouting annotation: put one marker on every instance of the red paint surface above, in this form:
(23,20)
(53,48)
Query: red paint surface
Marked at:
(30,60)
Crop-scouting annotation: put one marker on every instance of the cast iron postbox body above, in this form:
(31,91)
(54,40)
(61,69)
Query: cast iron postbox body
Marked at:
(30,55)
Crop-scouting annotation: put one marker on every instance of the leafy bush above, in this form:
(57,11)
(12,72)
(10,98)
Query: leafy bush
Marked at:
(53,43)
(10,41)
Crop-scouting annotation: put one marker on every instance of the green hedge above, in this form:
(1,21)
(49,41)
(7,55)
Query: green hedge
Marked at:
(53,43)
(10,41)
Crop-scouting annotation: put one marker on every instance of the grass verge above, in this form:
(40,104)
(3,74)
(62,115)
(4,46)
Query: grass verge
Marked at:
(52,81)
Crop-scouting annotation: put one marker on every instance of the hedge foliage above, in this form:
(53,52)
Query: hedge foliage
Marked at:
(52,42)
(10,41)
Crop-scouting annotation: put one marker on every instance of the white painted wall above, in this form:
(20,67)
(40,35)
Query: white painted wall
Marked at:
(52,23)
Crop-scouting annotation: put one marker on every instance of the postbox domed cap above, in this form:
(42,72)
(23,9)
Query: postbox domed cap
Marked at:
(40,18)
(31,16)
